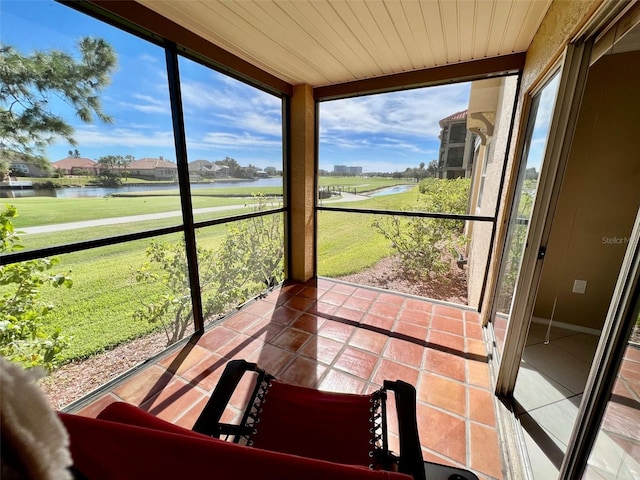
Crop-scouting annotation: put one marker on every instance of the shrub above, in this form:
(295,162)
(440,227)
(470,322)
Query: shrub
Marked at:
(250,259)
(425,245)
(23,338)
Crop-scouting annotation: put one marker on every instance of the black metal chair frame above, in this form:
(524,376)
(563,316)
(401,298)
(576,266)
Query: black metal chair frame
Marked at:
(409,460)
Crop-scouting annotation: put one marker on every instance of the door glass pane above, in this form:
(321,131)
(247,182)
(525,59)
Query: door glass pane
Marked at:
(533,154)
(616,452)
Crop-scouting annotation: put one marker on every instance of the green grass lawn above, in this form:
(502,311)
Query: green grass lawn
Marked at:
(97,312)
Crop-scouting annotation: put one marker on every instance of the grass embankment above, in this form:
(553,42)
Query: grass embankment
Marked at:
(97,310)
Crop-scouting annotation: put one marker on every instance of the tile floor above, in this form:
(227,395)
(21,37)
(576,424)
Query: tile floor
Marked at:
(347,338)
(548,394)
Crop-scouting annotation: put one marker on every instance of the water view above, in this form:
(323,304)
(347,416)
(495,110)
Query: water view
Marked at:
(91,191)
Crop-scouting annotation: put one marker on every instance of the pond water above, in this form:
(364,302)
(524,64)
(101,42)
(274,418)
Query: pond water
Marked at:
(80,192)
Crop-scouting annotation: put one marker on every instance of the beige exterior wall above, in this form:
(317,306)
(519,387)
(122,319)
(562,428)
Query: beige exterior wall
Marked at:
(493,155)
(563,21)
(599,198)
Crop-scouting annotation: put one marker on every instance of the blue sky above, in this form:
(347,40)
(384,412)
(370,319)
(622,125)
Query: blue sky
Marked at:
(223,117)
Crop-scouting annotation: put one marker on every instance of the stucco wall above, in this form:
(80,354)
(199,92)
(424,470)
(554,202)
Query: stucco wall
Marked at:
(561,23)
(599,198)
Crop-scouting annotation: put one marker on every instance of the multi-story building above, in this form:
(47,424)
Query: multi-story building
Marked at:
(456,147)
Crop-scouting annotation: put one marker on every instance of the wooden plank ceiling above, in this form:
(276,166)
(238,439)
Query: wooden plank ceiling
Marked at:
(327,42)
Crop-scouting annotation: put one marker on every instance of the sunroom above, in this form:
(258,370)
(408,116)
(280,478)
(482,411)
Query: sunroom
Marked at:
(531,323)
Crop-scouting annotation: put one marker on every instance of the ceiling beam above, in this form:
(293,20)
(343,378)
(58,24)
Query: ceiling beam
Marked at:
(459,72)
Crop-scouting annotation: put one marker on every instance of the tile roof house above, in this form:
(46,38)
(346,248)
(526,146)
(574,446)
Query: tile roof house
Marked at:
(208,169)
(72,165)
(153,169)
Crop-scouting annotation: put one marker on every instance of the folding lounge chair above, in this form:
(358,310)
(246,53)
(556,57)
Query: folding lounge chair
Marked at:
(340,428)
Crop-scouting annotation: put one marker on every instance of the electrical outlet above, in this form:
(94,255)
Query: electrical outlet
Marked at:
(579,286)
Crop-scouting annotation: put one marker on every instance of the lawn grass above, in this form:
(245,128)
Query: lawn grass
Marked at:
(36,211)
(97,312)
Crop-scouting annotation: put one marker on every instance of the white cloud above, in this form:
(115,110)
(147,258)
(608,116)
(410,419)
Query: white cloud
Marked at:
(148,104)
(233,140)
(406,113)
(91,136)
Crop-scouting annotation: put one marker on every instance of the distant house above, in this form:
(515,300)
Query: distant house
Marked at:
(207,169)
(75,165)
(153,169)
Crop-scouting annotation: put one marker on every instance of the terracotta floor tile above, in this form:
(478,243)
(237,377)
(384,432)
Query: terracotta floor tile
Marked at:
(271,359)
(445,364)
(177,397)
(292,287)
(485,450)
(304,372)
(369,341)
(449,325)
(391,298)
(265,329)
(321,308)
(447,340)
(404,352)
(476,347)
(357,303)
(472,330)
(356,362)
(472,317)
(343,288)
(389,370)
(216,337)
(381,309)
(365,293)
(242,346)
(322,349)
(416,317)
(94,408)
(189,417)
(478,374)
(384,323)
(291,339)
(410,330)
(311,292)
(336,331)
(443,433)
(481,406)
(261,308)
(241,321)
(447,311)
(444,393)
(300,303)
(334,298)
(419,305)
(285,314)
(349,314)
(143,385)
(308,323)
(324,283)
(429,456)
(337,381)
(182,360)
(206,373)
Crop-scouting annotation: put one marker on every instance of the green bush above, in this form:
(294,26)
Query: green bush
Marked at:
(426,245)
(250,259)
(22,337)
